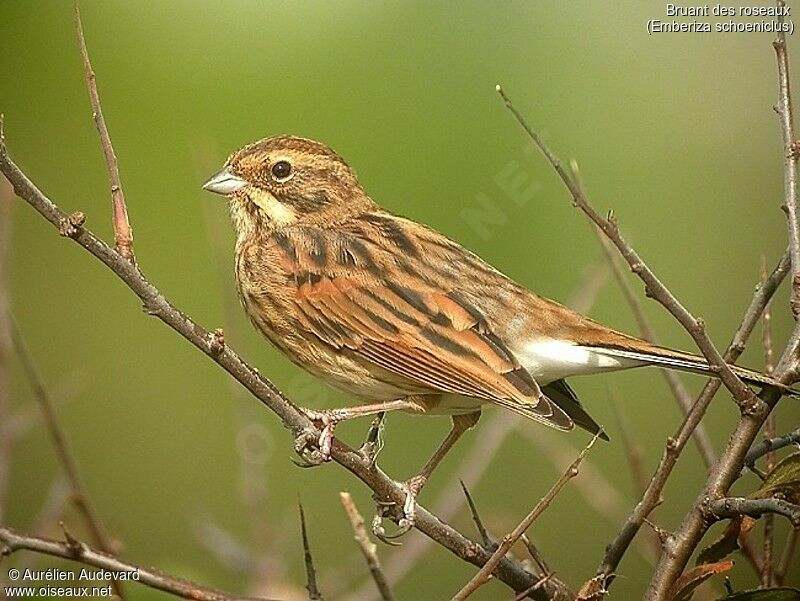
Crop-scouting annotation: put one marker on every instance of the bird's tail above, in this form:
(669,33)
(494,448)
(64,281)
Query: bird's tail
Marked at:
(671,359)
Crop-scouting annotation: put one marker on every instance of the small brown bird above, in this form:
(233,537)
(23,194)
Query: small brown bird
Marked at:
(397,314)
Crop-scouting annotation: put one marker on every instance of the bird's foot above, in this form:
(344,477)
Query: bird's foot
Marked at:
(314,447)
(405,517)
(306,445)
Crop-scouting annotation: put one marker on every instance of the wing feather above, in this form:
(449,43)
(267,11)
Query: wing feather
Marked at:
(425,333)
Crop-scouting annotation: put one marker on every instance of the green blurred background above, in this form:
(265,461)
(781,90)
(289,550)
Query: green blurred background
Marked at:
(676,133)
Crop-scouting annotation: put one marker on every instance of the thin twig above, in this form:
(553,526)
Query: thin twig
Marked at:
(157,305)
(767,571)
(308,560)
(487,541)
(66,458)
(679,391)
(675,445)
(489,438)
(12,541)
(654,288)
(368,548)
(536,555)
(694,525)
(510,539)
(123,234)
(536,586)
(771,444)
(790,156)
(730,507)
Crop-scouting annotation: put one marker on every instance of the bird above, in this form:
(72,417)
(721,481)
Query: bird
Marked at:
(398,315)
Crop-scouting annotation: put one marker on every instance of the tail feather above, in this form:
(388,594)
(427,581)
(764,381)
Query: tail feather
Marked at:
(664,357)
(562,395)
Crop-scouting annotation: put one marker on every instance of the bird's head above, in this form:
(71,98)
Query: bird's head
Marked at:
(283,180)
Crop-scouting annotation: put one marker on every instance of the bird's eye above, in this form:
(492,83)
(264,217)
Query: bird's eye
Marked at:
(281,170)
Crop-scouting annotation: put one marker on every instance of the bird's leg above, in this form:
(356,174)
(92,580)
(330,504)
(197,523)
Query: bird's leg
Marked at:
(327,419)
(412,486)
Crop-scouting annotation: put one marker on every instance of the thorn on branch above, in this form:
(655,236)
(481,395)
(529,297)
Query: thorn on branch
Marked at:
(311,574)
(663,535)
(73,544)
(485,573)
(488,543)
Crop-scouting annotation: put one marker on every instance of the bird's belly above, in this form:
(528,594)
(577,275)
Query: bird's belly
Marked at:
(550,360)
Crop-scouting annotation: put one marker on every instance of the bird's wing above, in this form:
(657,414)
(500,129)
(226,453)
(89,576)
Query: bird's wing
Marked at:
(416,330)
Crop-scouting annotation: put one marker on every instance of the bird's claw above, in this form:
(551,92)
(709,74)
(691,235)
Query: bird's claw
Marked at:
(315,447)
(308,445)
(405,521)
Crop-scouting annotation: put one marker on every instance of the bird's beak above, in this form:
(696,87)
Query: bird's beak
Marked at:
(224,182)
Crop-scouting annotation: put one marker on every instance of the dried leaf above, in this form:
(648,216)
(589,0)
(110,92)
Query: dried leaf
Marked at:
(783,593)
(683,588)
(784,479)
(724,545)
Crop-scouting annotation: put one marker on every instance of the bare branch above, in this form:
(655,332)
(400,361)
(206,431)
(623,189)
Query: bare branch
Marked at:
(487,541)
(679,391)
(730,507)
(11,542)
(536,555)
(508,541)
(675,445)
(727,469)
(157,305)
(767,572)
(771,444)
(790,156)
(368,548)
(653,286)
(123,234)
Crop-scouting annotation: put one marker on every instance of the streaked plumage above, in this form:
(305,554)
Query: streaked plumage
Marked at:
(397,314)
(385,308)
